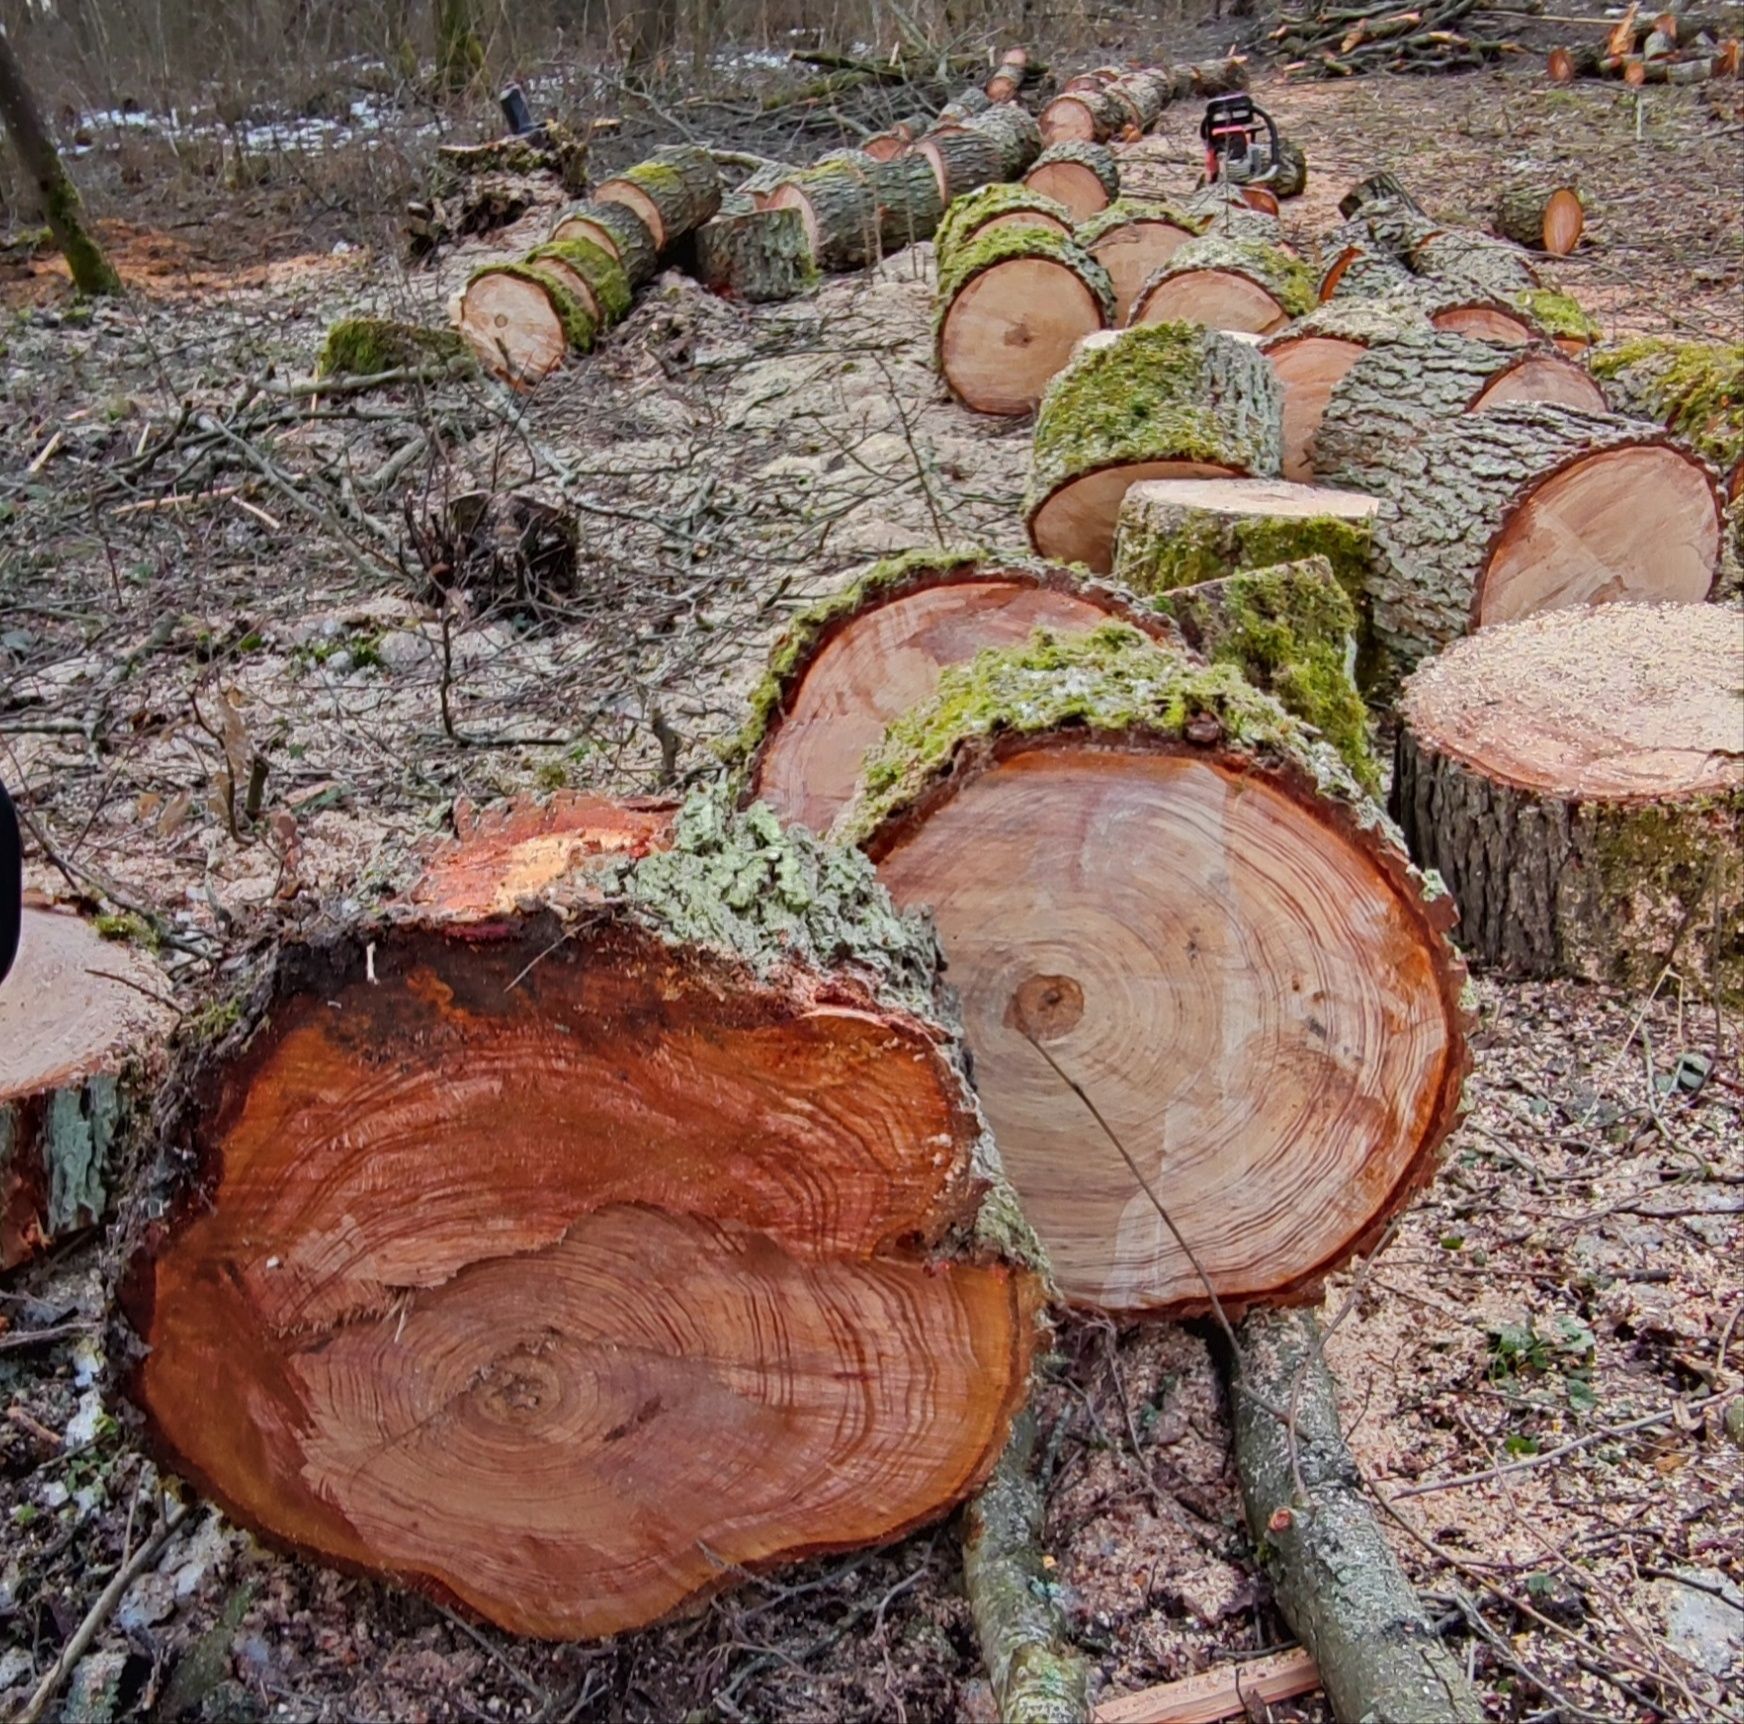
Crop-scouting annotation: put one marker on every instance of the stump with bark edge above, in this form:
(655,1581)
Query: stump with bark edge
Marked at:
(523,321)
(83,1021)
(1577,779)
(674,192)
(1223,283)
(1167,401)
(576,1260)
(1153,884)
(1011,306)
(848,667)
(1494,516)
(614,228)
(993,208)
(1542,218)
(839,209)
(760,256)
(1083,177)
(1132,239)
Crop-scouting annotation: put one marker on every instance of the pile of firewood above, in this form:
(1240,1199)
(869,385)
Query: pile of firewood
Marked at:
(1662,48)
(1338,41)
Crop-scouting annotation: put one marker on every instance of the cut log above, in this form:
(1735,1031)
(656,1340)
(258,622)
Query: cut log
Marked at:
(1085,116)
(1011,306)
(591,273)
(1227,212)
(1472,262)
(909,205)
(961,161)
(1335,1577)
(522,321)
(83,1023)
(705,1269)
(1311,354)
(1083,177)
(996,207)
(839,208)
(760,186)
(1168,401)
(1210,1696)
(1291,179)
(1482,319)
(1008,75)
(1377,188)
(1132,240)
(674,192)
(614,228)
(1360,269)
(1542,218)
(759,256)
(1015,131)
(1697,390)
(1223,283)
(967,105)
(845,669)
(1497,515)
(1578,781)
(1150,884)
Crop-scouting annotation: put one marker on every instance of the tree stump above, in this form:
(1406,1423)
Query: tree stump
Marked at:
(674,192)
(909,205)
(1167,401)
(522,320)
(1542,218)
(576,1257)
(1011,306)
(1697,390)
(616,229)
(1015,131)
(1151,884)
(960,161)
(1577,780)
(1132,240)
(756,255)
(1240,284)
(1493,516)
(839,209)
(83,1021)
(846,668)
(994,208)
(1083,177)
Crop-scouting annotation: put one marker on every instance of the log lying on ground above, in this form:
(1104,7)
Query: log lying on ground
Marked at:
(1011,306)
(1494,516)
(846,668)
(1542,218)
(1335,1577)
(756,255)
(368,346)
(1134,860)
(1226,212)
(1133,239)
(839,208)
(1356,268)
(1089,115)
(1465,259)
(591,273)
(1577,779)
(722,1274)
(616,229)
(961,161)
(83,1023)
(1015,131)
(523,320)
(674,192)
(883,146)
(1083,177)
(1697,390)
(909,204)
(1311,354)
(993,208)
(1008,75)
(1240,284)
(1168,401)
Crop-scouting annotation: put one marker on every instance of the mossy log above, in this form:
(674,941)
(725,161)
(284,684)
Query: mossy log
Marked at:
(848,667)
(1547,218)
(759,256)
(1696,389)
(614,228)
(1224,283)
(1166,401)
(997,206)
(84,1021)
(1577,781)
(1132,239)
(1291,179)
(1312,353)
(1012,304)
(368,346)
(1489,517)
(1037,1678)
(523,320)
(674,192)
(1133,859)
(1015,131)
(591,273)
(711,1263)
(1083,177)
(909,204)
(838,206)
(550,148)
(1335,1577)
(961,161)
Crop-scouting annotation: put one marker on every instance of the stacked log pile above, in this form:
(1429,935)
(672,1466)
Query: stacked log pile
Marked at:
(1668,47)
(1339,41)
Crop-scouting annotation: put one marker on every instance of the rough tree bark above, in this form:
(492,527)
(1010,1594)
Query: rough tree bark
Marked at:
(1224,283)
(91,271)
(1083,177)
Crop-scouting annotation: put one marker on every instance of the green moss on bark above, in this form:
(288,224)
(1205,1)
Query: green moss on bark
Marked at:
(579,326)
(969,213)
(1124,211)
(366,346)
(983,251)
(91,271)
(1696,389)
(597,267)
(1556,314)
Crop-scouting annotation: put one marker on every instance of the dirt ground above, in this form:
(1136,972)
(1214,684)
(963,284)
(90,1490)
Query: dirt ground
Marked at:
(194,549)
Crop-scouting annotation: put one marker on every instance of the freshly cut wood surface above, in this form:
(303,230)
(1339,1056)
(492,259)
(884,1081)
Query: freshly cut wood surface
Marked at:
(522,321)
(1238,284)
(1209,933)
(994,207)
(961,161)
(849,668)
(1485,320)
(1229,1691)
(1543,218)
(675,191)
(617,229)
(1081,176)
(1578,780)
(837,204)
(1307,366)
(567,1264)
(1132,240)
(74,1011)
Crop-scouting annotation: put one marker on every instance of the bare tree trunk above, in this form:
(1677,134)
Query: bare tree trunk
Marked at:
(92,272)
(459,53)
(649,33)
